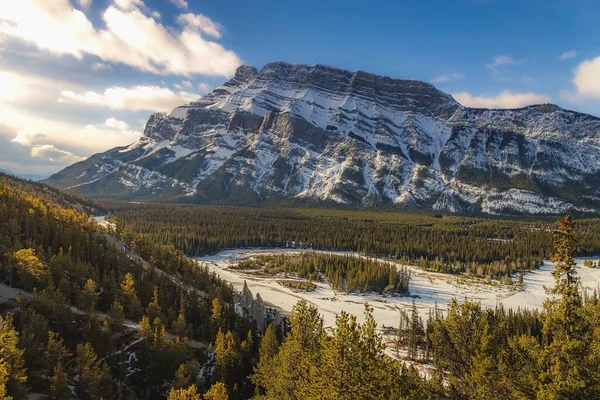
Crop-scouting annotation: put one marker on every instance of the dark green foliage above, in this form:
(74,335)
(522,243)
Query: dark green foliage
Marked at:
(481,247)
(345,273)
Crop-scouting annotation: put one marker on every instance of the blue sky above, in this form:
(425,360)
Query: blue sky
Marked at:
(82,76)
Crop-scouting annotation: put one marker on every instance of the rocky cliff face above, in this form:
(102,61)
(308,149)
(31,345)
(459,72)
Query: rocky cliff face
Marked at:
(315,133)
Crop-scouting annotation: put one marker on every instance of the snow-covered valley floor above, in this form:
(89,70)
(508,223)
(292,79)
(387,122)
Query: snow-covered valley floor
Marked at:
(426,288)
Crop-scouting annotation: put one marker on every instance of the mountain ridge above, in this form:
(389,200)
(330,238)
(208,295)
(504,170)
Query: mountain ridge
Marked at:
(319,133)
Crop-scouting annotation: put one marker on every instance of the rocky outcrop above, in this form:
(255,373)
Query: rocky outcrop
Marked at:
(312,133)
(251,307)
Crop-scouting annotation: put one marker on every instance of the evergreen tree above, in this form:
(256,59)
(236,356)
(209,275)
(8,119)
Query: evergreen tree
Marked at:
(186,374)
(116,314)
(55,352)
(88,296)
(30,270)
(218,391)
(4,376)
(289,373)
(153,310)
(569,361)
(226,356)
(269,347)
(59,385)
(416,333)
(128,296)
(12,358)
(191,393)
(94,375)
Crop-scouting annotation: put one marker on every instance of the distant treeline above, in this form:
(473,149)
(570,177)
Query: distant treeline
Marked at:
(485,247)
(345,273)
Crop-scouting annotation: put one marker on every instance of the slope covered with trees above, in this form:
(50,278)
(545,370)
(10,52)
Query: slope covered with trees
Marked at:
(94,320)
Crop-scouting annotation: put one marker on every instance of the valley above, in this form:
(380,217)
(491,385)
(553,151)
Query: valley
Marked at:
(429,290)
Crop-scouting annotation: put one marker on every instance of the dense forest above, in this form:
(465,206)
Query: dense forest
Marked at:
(105,313)
(490,248)
(96,322)
(344,273)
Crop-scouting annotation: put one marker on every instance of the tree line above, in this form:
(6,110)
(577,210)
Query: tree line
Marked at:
(343,272)
(485,247)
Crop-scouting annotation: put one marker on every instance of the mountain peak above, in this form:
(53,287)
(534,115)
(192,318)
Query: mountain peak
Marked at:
(318,133)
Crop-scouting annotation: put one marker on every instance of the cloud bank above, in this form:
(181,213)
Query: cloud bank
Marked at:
(130,36)
(505,99)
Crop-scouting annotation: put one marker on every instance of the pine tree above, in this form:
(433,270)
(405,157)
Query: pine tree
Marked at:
(218,391)
(116,314)
(568,358)
(269,347)
(30,270)
(186,374)
(564,251)
(153,310)
(338,373)
(191,393)
(4,376)
(88,296)
(226,356)
(129,298)
(55,352)
(289,373)
(12,357)
(32,337)
(59,384)
(416,333)
(217,312)
(94,375)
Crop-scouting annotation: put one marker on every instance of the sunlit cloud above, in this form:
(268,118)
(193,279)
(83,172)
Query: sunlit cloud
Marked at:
(152,98)
(505,99)
(567,55)
(586,79)
(452,76)
(129,37)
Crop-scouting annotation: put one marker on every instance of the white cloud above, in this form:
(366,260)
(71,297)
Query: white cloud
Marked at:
(30,119)
(54,155)
(85,3)
(498,62)
(200,23)
(155,15)
(567,55)
(505,99)
(31,155)
(203,87)
(129,4)
(502,60)
(586,80)
(452,76)
(180,3)
(129,37)
(153,98)
(100,67)
(184,85)
(116,124)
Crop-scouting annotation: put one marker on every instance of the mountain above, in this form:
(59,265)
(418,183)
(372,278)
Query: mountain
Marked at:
(319,134)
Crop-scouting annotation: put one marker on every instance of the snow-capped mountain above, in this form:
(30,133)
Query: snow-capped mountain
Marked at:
(316,133)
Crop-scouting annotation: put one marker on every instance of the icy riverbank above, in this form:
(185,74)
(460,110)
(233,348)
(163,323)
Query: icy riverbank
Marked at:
(426,288)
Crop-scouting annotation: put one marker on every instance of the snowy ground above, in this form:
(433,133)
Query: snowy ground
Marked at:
(426,288)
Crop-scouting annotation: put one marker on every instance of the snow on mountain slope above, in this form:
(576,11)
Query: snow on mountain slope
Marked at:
(316,133)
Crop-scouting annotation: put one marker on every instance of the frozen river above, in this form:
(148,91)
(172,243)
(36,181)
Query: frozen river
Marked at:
(426,288)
